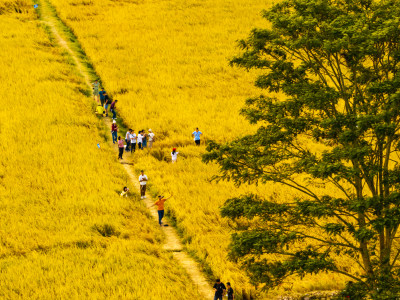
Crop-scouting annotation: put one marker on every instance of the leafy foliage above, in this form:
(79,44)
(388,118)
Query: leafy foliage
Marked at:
(336,64)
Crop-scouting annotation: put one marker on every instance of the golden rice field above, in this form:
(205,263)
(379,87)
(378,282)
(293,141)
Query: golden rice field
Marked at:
(65,233)
(166,62)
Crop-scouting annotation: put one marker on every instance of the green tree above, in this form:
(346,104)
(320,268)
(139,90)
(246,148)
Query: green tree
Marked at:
(331,78)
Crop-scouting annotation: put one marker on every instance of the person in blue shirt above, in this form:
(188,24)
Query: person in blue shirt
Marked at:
(102,98)
(196,134)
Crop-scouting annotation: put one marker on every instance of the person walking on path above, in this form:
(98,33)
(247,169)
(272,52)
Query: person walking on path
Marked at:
(96,86)
(114,131)
(128,139)
(140,140)
(107,102)
(112,109)
(133,141)
(160,207)
(102,93)
(143,181)
(230,291)
(151,138)
(125,192)
(196,134)
(144,143)
(120,147)
(174,155)
(219,289)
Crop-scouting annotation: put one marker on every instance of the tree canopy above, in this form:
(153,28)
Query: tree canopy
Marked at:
(330,75)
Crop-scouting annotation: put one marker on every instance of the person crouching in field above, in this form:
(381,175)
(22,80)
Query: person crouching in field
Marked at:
(120,147)
(174,155)
(160,207)
(114,131)
(125,192)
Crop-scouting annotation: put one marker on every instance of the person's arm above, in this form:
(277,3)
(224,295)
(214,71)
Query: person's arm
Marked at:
(168,197)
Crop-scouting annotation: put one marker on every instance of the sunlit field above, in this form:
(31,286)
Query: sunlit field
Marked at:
(167,62)
(65,232)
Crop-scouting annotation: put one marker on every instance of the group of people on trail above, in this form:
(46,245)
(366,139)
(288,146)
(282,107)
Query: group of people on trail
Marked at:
(221,290)
(104,101)
(143,184)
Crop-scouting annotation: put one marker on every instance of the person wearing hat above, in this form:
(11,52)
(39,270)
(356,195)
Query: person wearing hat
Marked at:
(151,138)
(142,181)
(114,131)
(160,207)
(174,155)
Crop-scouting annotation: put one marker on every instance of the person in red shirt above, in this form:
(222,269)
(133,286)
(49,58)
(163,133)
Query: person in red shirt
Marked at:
(114,131)
(160,207)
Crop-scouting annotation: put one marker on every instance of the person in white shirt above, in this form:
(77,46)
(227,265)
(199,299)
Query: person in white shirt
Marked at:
(151,138)
(140,140)
(133,141)
(174,155)
(128,139)
(143,182)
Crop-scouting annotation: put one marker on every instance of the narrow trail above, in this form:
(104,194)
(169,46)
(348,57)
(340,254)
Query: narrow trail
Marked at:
(172,242)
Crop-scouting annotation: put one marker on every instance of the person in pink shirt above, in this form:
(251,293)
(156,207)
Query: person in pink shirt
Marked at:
(120,147)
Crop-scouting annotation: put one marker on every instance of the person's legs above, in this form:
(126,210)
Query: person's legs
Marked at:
(121,151)
(140,146)
(133,147)
(197,142)
(160,216)
(128,143)
(144,190)
(114,137)
(150,144)
(114,113)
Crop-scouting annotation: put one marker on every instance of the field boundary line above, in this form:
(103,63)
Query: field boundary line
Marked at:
(48,16)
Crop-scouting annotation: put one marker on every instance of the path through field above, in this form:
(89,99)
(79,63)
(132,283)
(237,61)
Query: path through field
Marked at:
(173,244)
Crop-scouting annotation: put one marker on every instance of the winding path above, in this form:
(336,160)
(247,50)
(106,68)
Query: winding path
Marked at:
(172,244)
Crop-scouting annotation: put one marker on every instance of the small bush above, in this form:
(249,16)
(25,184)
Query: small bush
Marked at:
(106,230)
